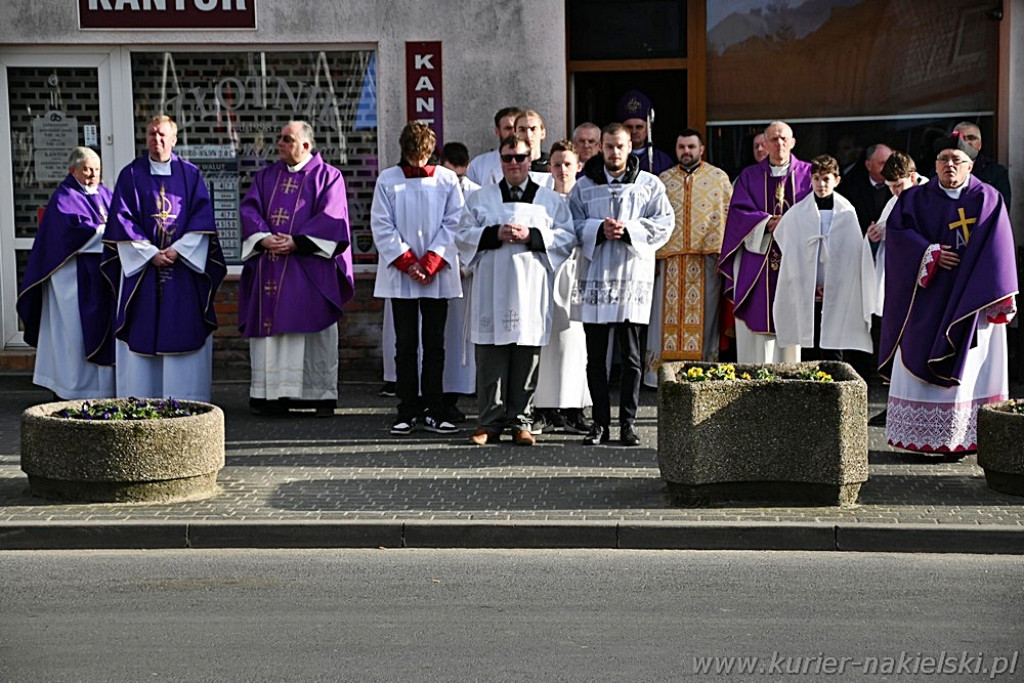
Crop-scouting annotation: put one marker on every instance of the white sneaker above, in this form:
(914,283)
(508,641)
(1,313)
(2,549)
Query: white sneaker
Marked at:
(438,426)
(403,426)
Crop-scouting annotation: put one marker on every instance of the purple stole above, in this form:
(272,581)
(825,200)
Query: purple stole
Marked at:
(758,195)
(69,222)
(164,310)
(297,292)
(934,326)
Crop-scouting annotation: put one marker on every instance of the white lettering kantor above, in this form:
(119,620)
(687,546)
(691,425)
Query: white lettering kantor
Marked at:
(423,62)
(424,84)
(424,104)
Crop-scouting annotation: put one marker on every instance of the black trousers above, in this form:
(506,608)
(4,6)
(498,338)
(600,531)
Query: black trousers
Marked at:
(629,341)
(410,382)
(815,353)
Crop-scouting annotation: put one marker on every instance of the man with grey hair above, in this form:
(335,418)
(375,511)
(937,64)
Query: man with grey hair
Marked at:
(65,302)
(587,139)
(865,187)
(296,278)
(985,169)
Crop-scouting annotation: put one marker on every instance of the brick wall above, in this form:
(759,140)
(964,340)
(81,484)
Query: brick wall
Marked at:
(359,351)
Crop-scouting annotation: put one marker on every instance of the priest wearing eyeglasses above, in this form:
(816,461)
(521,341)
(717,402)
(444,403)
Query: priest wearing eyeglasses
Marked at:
(296,278)
(950,286)
(513,236)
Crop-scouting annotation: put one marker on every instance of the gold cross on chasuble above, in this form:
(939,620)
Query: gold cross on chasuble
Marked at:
(963,224)
(164,216)
(289,185)
(279,217)
(270,287)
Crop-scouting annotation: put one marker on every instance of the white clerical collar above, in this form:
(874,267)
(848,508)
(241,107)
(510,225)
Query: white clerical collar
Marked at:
(299,166)
(159,167)
(777,171)
(954,192)
(88,189)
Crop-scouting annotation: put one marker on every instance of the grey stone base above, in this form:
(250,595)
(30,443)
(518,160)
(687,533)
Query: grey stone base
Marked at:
(778,493)
(166,491)
(1010,483)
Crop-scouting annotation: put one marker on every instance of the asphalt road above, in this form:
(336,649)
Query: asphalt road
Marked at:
(425,615)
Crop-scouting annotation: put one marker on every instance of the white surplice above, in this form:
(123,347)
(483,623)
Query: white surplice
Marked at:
(510,302)
(848,278)
(615,279)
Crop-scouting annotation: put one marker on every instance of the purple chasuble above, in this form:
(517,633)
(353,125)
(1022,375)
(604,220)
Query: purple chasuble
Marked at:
(69,222)
(934,326)
(758,195)
(298,292)
(164,310)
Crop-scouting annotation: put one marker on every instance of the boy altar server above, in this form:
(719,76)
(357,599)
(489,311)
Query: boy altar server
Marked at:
(826,291)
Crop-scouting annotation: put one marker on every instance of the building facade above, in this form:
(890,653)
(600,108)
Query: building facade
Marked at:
(231,72)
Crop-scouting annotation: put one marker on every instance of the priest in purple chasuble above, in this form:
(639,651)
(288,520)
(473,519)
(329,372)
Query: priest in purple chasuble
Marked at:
(162,245)
(750,257)
(65,302)
(950,286)
(296,278)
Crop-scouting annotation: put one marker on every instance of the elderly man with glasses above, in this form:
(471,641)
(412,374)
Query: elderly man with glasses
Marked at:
(950,286)
(513,236)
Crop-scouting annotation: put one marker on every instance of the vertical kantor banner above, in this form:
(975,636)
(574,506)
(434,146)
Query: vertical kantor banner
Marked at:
(423,86)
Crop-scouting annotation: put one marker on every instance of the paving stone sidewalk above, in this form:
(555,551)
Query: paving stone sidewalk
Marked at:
(300,472)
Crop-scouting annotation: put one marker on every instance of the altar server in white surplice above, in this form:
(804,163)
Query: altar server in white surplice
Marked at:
(416,207)
(826,288)
(513,236)
(622,217)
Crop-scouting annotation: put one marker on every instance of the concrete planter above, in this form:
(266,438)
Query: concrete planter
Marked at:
(123,461)
(1000,444)
(791,441)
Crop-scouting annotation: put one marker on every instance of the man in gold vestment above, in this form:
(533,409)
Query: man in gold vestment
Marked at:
(685,324)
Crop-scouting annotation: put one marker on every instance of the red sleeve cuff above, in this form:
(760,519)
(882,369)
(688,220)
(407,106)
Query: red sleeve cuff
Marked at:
(404,261)
(929,265)
(432,263)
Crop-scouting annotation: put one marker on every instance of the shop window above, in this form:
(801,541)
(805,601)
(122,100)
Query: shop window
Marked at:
(230,107)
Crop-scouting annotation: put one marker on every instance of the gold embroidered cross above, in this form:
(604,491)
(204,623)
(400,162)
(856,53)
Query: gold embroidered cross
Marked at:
(164,216)
(279,218)
(268,324)
(962,224)
(270,288)
(289,185)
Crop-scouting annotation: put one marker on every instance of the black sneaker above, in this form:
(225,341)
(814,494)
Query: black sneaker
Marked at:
(403,426)
(628,437)
(575,422)
(388,389)
(438,426)
(598,434)
(542,423)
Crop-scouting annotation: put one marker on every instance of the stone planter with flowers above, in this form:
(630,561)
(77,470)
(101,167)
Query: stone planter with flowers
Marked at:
(789,433)
(123,450)
(1001,445)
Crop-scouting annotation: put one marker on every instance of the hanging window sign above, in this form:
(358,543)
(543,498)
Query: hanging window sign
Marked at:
(219,166)
(423,86)
(167,14)
(54,135)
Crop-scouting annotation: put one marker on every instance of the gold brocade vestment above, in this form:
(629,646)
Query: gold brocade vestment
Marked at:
(701,203)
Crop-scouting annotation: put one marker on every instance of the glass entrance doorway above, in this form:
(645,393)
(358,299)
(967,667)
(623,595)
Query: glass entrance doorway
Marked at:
(53,104)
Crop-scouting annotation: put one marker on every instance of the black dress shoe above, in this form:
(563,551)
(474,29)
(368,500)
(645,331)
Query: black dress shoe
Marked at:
(878,420)
(598,434)
(628,437)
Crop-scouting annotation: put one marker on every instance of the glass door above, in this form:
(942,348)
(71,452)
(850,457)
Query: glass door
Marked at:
(53,103)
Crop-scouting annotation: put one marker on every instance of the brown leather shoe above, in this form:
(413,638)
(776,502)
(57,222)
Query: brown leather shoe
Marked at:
(523,437)
(482,437)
